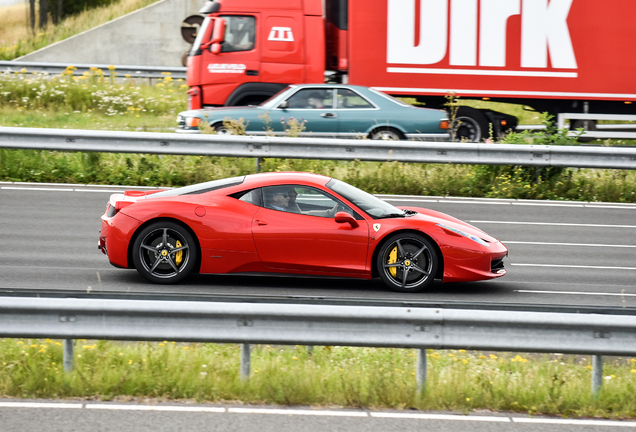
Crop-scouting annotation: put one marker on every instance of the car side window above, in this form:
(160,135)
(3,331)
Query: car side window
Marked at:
(304,200)
(253,196)
(311,98)
(352,100)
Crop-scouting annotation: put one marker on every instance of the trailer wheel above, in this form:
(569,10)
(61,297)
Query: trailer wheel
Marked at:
(591,127)
(469,125)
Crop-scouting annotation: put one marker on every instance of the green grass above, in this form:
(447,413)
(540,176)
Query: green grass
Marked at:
(345,376)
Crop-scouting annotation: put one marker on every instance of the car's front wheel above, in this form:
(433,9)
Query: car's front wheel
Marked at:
(164,252)
(407,262)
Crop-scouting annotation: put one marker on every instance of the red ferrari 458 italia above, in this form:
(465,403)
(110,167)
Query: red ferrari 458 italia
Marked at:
(292,223)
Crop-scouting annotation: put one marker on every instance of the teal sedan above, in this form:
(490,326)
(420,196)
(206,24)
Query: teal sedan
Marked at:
(324,110)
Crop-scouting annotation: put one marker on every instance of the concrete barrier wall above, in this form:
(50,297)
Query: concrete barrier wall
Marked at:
(147,37)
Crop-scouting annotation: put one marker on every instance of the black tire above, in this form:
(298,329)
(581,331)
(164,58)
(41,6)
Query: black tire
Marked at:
(469,125)
(386,133)
(591,127)
(407,262)
(164,252)
(222,130)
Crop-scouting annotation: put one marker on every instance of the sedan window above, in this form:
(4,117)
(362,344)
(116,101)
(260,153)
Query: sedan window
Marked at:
(352,100)
(311,98)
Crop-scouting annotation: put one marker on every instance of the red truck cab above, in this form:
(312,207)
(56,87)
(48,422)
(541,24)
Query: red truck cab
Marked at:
(241,58)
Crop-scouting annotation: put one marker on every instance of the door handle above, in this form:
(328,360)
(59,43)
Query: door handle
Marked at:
(261,222)
(329,115)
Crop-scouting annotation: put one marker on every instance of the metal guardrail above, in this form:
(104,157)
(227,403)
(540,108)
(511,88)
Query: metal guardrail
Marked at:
(308,324)
(279,323)
(602,131)
(149,72)
(312,148)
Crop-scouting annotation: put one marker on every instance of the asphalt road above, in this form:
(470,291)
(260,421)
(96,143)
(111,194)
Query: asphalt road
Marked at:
(561,253)
(69,416)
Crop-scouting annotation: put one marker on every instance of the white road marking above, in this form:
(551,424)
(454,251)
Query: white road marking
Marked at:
(566,244)
(99,190)
(610,206)
(547,204)
(575,422)
(441,417)
(552,224)
(298,412)
(575,266)
(332,413)
(577,293)
(39,405)
(38,189)
(119,407)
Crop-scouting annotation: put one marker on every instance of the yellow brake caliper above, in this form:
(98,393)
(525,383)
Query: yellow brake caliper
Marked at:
(393,260)
(179,255)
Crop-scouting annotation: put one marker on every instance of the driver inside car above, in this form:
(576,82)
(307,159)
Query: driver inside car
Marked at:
(277,199)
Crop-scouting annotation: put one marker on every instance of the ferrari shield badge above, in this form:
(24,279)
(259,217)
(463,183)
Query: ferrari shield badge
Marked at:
(376,227)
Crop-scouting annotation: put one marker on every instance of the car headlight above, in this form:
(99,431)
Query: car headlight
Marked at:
(464,234)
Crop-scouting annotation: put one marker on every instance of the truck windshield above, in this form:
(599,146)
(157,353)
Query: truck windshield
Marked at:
(197,42)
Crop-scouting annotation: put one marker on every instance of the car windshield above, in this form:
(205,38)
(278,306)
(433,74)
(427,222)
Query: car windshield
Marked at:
(373,206)
(200,187)
(200,33)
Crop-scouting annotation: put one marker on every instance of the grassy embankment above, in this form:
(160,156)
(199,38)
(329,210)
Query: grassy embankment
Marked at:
(16,38)
(351,377)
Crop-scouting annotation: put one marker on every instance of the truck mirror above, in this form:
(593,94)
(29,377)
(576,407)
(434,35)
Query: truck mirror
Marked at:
(215,48)
(218,32)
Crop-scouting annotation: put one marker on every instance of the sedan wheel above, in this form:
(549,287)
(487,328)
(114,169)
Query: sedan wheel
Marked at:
(222,130)
(407,262)
(164,252)
(386,134)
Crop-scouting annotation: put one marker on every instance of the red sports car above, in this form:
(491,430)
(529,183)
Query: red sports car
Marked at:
(292,223)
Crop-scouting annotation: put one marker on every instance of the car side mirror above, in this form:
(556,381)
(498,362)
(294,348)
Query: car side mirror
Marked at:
(344,217)
(283,105)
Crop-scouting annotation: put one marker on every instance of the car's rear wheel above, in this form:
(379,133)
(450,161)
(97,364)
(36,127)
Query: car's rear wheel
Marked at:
(407,262)
(386,134)
(164,252)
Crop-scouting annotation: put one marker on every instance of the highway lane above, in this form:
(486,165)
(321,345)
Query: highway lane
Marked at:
(76,415)
(565,253)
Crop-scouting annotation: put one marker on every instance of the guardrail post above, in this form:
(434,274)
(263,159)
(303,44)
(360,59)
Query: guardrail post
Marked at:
(245,361)
(258,164)
(68,354)
(420,369)
(597,374)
